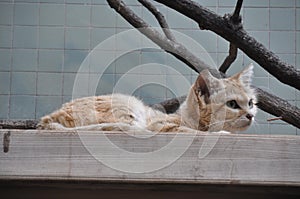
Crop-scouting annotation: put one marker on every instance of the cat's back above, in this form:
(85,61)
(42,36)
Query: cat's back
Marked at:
(98,109)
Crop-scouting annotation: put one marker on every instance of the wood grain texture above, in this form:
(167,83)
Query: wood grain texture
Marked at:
(234,159)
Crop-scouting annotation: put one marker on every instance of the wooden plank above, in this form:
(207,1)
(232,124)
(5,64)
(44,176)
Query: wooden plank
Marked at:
(229,159)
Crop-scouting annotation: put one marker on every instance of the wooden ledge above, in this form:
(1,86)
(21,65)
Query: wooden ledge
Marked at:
(207,159)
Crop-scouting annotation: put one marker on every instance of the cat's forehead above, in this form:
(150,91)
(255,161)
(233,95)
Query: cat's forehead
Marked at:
(233,90)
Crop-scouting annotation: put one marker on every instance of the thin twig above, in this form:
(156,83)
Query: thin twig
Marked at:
(236,21)
(160,18)
(274,119)
(236,18)
(229,59)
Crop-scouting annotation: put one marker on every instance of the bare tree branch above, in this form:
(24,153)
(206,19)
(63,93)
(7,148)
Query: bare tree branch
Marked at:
(286,73)
(18,124)
(278,107)
(236,19)
(229,59)
(177,50)
(160,18)
(173,104)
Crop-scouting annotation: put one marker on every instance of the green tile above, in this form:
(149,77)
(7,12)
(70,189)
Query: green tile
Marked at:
(177,20)
(52,1)
(4,108)
(26,14)
(68,83)
(4,83)
(256,19)
(23,83)
(79,1)
(128,62)
(282,3)
(258,129)
(25,37)
(77,38)
(6,14)
(47,104)
(99,62)
(73,60)
(127,83)
(22,107)
(282,129)
(227,3)
(297,19)
(256,3)
(52,14)
(153,86)
(27,1)
(102,2)
(282,41)
(51,60)
(103,16)
(176,66)
(105,85)
(153,56)
(298,60)
(5,36)
(178,85)
(282,19)
(207,2)
(51,37)
(78,15)
(261,82)
(24,60)
(81,84)
(298,43)
(99,35)
(281,90)
(199,41)
(5,59)
(49,84)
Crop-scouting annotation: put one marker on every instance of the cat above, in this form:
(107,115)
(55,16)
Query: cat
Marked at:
(212,105)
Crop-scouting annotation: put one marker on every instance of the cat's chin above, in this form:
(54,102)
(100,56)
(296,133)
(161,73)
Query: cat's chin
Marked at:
(240,126)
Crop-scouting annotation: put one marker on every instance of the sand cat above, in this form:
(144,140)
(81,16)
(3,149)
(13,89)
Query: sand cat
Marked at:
(214,105)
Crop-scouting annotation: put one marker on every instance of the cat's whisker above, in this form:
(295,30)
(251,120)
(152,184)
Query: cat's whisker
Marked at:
(255,125)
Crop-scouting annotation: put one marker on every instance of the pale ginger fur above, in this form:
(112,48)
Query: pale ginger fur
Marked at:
(215,105)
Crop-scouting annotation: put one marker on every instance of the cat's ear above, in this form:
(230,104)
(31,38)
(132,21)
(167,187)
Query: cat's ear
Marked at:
(245,76)
(206,85)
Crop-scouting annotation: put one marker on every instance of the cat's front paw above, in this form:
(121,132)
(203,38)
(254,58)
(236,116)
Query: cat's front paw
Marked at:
(221,132)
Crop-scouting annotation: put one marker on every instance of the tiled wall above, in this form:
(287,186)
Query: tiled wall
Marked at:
(44,42)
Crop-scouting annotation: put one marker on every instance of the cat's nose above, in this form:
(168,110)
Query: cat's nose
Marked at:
(249,116)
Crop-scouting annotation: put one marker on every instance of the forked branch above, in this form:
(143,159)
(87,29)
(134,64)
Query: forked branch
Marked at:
(286,73)
(267,102)
(174,48)
(236,19)
(160,18)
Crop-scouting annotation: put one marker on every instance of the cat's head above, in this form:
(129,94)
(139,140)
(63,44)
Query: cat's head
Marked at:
(225,104)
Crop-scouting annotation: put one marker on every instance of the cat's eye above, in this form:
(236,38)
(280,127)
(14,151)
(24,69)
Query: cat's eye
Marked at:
(232,104)
(250,103)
